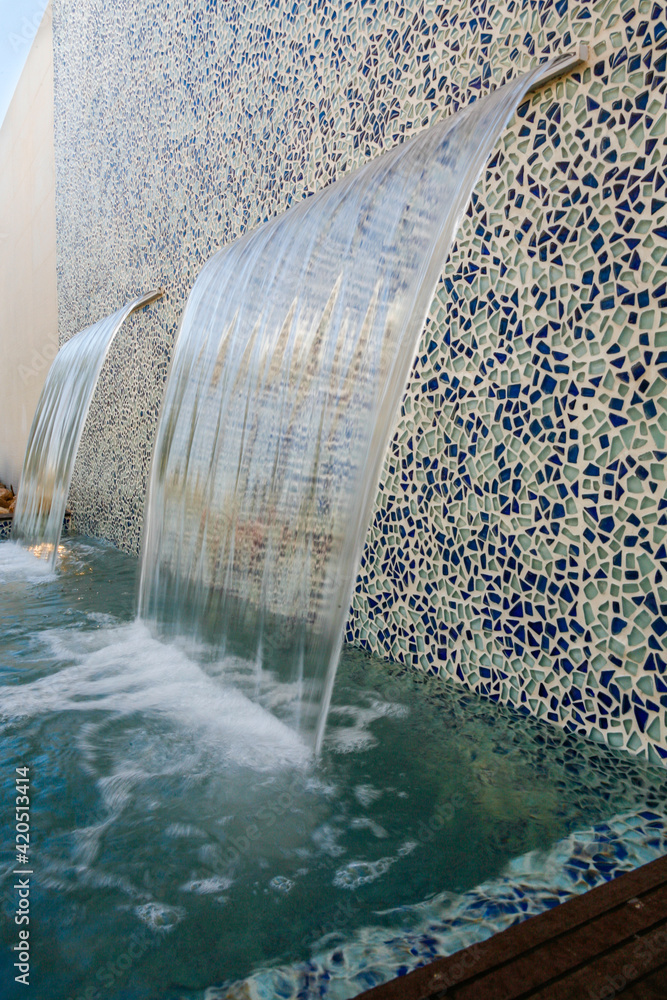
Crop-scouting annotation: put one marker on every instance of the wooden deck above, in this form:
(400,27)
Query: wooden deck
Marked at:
(609,942)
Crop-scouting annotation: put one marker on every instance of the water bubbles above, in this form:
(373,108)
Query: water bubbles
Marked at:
(358,873)
(407,848)
(281,884)
(187,830)
(325,837)
(208,886)
(160,916)
(366,794)
(364,823)
(354,734)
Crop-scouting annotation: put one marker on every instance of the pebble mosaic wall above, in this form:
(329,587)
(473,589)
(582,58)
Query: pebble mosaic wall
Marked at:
(518,542)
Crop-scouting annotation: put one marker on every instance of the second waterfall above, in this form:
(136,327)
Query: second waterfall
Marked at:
(290,365)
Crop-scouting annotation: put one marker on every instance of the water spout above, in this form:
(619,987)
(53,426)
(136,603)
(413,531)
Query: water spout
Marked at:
(56,431)
(292,358)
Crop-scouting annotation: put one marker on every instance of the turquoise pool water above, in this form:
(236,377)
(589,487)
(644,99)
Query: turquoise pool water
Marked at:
(184,844)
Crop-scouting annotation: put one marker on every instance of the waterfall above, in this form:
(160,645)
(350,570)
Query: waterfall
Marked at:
(293,355)
(56,431)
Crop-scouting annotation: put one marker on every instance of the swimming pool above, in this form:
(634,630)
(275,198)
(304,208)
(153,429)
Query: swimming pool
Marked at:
(184,843)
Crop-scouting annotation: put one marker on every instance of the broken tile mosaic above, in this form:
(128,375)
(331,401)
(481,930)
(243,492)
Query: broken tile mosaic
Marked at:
(518,540)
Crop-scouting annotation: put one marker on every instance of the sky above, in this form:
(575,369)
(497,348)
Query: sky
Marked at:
(19,21)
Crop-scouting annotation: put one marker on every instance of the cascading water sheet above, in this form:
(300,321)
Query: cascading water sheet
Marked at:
(292,358)
(56,431)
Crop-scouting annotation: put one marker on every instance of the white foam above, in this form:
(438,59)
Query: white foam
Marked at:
(206,886)
(358,736)
(160,916)
(186,830)
(19,563)
(281,883)
(100,618)
(365,823)
(357,873)
(366,794)
(326,839)
(124,670)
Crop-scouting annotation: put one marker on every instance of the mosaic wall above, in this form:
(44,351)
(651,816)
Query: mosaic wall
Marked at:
(518,542)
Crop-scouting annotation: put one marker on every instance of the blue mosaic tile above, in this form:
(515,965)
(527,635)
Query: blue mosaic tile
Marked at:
(444,925)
